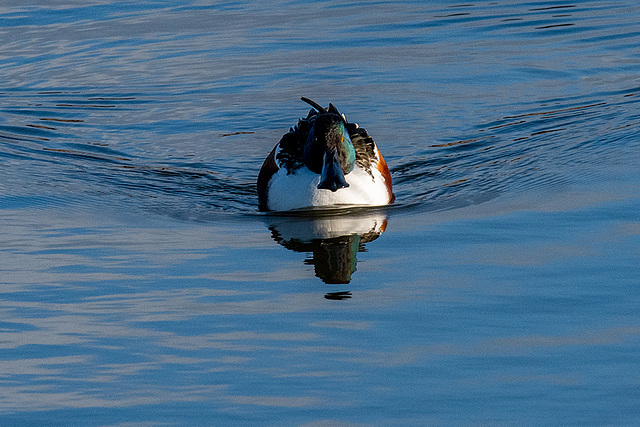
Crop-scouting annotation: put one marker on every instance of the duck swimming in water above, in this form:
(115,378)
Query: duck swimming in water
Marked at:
(324,161)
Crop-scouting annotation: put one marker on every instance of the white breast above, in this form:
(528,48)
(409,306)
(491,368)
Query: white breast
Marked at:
(299,190)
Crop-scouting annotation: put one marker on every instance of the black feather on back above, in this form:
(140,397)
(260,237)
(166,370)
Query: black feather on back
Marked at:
(292,144)
(364,145)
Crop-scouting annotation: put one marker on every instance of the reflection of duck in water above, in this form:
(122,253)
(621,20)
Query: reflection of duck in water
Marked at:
(333,241)
(324,161)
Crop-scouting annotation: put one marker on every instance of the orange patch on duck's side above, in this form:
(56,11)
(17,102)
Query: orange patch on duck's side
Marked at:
(384,170)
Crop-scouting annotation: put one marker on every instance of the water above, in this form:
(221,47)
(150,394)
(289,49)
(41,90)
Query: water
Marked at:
(140,286)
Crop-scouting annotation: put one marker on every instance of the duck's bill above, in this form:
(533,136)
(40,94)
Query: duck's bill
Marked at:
(332,177)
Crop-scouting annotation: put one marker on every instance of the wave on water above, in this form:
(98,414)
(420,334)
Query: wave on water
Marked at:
(554,143)
(78,149)
(71,143)
(154,122)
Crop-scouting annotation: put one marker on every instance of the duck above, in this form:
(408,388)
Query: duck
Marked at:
(324,161)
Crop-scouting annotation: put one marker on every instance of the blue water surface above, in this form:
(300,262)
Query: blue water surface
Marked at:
(140,285)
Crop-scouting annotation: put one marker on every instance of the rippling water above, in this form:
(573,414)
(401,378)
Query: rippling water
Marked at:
(140,285)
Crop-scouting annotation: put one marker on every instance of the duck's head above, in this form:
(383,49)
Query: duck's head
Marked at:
(329,150)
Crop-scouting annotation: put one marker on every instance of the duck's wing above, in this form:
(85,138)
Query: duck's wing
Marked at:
(366,152)
(368,156)
(290,149)
(286,154)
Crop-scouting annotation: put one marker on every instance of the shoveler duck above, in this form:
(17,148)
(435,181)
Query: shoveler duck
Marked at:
(324,161)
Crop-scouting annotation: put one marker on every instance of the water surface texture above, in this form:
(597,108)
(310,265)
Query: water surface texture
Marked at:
(140,286)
